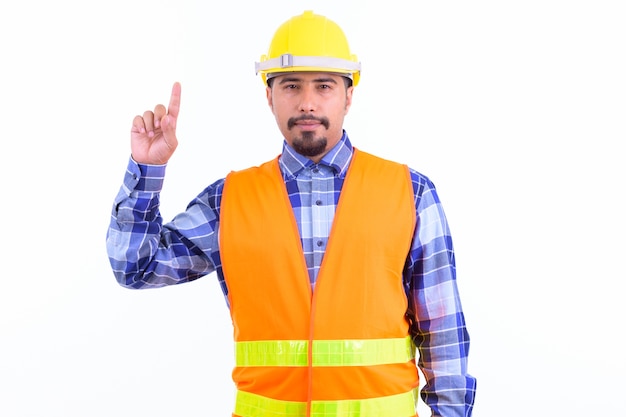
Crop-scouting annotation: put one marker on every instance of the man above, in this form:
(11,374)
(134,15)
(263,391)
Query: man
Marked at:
(335,264)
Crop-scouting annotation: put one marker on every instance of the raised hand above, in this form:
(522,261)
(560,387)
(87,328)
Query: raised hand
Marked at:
(153,135)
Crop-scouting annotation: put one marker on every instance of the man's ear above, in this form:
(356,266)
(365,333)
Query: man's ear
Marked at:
(268,94)
(349,92)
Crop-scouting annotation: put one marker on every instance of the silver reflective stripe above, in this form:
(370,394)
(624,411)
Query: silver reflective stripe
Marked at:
(290,61)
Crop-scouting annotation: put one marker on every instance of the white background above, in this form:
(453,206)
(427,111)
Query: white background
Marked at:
(516,110)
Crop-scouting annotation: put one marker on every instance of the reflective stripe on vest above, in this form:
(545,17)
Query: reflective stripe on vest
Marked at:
(366,352)
(400,405)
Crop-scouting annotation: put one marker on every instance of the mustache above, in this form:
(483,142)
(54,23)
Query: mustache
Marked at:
(321,120)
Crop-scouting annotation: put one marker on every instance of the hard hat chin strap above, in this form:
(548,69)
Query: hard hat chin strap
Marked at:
(289,61)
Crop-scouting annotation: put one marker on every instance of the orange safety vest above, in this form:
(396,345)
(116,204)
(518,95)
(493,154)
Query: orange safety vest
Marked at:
(343,349)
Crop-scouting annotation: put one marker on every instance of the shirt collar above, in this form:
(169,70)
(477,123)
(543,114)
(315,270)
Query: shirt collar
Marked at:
(338,158)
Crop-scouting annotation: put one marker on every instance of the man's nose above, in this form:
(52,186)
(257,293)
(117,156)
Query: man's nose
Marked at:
(307,99)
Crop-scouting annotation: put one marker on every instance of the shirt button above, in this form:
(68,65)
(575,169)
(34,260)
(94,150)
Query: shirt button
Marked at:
(320,243)
(315,170)
(318,202)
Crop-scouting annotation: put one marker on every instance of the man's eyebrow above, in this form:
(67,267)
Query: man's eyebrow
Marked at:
(287,79)
(325,80)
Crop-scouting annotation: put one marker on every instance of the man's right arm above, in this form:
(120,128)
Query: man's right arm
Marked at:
(145,253)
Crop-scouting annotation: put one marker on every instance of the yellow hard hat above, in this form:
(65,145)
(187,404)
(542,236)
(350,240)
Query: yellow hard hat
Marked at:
(309,42)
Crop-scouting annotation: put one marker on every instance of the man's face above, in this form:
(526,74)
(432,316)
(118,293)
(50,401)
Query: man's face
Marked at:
(309,108)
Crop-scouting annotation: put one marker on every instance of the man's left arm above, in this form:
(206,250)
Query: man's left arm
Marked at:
(439,326)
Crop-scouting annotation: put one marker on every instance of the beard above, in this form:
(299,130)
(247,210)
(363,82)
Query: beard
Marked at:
(307,144)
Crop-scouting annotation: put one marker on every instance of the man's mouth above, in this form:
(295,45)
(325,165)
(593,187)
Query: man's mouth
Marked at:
(307,122)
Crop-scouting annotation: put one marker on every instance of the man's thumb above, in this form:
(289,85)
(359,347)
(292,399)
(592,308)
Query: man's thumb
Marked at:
(168,124)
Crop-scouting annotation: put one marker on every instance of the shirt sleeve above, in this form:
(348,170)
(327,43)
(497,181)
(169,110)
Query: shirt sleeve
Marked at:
(438,322)
(144,252)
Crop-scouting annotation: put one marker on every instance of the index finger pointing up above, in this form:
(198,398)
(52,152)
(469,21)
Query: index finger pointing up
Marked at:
(174,105)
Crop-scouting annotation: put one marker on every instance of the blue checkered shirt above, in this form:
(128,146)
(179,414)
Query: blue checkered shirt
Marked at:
(145,253)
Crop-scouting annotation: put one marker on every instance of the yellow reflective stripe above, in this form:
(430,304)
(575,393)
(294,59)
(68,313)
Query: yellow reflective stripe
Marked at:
(399,405)
(253,405)
(272,353)
(365,352)
(362,352)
